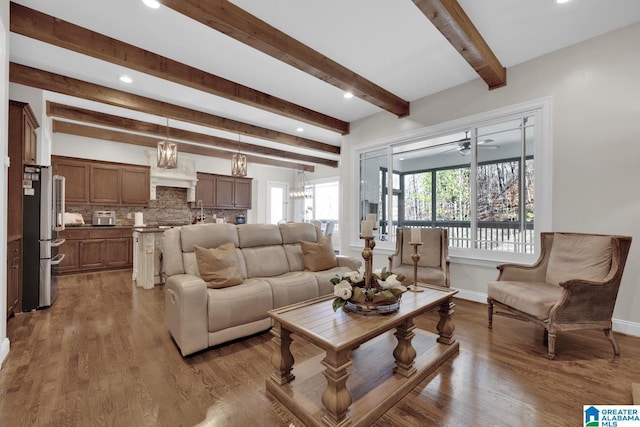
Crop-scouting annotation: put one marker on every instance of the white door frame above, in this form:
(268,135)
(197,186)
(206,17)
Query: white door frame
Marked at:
(286,204)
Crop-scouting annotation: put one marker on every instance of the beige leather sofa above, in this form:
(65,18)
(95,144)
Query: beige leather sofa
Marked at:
(272,266)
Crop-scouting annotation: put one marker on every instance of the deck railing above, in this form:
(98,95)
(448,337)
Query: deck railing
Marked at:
(505,236)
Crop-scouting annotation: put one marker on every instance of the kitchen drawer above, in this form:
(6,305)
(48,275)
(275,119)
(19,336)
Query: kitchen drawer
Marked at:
(108,233)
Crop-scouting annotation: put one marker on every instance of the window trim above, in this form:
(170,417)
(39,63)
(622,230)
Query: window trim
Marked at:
(541,108)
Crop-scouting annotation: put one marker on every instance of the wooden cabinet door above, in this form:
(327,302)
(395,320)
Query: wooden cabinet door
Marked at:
(225,192)
(30,138)
(105,183)
(242,193)
(135,186)
(91,253)
(117,252)
(206,190)
(76,182)
(14,257)
(71,261)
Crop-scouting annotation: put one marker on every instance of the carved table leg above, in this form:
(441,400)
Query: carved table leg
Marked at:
(336,397)
(404,352)
(282,359)
(445,325)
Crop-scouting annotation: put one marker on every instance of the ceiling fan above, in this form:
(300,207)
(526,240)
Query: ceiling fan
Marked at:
(464,145)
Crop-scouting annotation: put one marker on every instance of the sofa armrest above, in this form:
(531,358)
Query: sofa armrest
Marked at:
(352,263)
(186,312)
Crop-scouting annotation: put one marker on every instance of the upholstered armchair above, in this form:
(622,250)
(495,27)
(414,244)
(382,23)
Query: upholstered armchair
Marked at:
(573,285)
(433,266)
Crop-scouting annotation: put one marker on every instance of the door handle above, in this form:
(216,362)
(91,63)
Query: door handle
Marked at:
(57,259)
(57,242)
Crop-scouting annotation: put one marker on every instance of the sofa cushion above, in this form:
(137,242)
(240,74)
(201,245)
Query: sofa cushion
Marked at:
(293,232)
(252,235)
(324,277)
(430,250)
(265,261)
(218,266)
(293,287)
(294,256)
(533,298)
(238,305)
(576,256)
(319,256)
(207,236)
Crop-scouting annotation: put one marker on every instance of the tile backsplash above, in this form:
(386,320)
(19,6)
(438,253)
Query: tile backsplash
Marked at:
(170,207)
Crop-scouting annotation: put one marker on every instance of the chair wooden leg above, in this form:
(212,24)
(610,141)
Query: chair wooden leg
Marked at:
(614,344)
(551,337)
(490,308)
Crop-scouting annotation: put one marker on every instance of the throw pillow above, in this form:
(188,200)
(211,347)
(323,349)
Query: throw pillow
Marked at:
(319,256)
(218,266)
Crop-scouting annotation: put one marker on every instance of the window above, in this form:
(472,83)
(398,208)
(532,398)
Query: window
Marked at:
(478,181)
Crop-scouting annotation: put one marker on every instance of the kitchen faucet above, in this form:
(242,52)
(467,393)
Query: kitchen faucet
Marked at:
(199,203)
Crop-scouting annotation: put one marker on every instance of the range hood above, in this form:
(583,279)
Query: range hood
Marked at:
(184,176)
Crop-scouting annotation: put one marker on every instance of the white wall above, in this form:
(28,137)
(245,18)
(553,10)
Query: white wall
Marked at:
(596,155)
(4,99)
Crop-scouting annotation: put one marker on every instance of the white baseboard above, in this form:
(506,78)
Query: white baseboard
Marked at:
(4,350)
(622,326)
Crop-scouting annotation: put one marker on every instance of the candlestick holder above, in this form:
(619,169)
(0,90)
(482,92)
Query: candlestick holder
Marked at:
(415,257)
(367,255)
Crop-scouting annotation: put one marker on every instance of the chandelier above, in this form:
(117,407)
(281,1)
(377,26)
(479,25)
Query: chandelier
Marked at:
(167,152)
(302,189)
(238,163)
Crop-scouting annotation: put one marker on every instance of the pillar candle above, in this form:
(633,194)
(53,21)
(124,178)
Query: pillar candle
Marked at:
(373,218)
(367,228)
(416,237)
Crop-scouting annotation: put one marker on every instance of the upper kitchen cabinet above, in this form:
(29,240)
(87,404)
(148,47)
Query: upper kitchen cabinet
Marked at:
(206,190)
(223,192)
(233,193)
(135,186)
(91,182)
(77,174)
(24,125)
(106,184)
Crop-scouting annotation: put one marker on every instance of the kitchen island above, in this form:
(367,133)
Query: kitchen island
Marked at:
(93,248)
(147,255)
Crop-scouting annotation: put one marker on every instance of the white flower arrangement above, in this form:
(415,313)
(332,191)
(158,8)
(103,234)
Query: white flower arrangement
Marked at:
(385,288)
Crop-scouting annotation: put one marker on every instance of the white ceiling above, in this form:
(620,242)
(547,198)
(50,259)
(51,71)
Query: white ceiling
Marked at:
(389,42)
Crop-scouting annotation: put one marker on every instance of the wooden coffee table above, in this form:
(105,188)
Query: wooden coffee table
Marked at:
(381,369)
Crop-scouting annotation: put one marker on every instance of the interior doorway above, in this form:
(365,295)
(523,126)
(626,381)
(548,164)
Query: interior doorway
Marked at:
(277,202)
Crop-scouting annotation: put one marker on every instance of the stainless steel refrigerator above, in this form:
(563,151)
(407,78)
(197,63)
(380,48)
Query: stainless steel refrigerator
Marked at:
(43,206)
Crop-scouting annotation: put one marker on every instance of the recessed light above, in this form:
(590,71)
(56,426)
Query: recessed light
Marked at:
(300,129)
(562,1)
(125,79)
(153,4)
(348,95)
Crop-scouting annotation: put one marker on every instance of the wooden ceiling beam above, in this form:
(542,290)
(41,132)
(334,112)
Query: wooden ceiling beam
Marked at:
(229,19)
(147,141)
(45,80)
(55,109)
(36,25)
(454,24)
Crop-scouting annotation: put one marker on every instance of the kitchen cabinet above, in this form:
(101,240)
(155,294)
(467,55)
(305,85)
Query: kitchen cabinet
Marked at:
(105,184)
(14,273)
(77,179)
(233,193)
(21,150)
(223,192)
(206,190)
(96,248)
(135,186)
(23,125)
(91,182)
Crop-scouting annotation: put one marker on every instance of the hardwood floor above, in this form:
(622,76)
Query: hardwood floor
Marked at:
(101,356)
